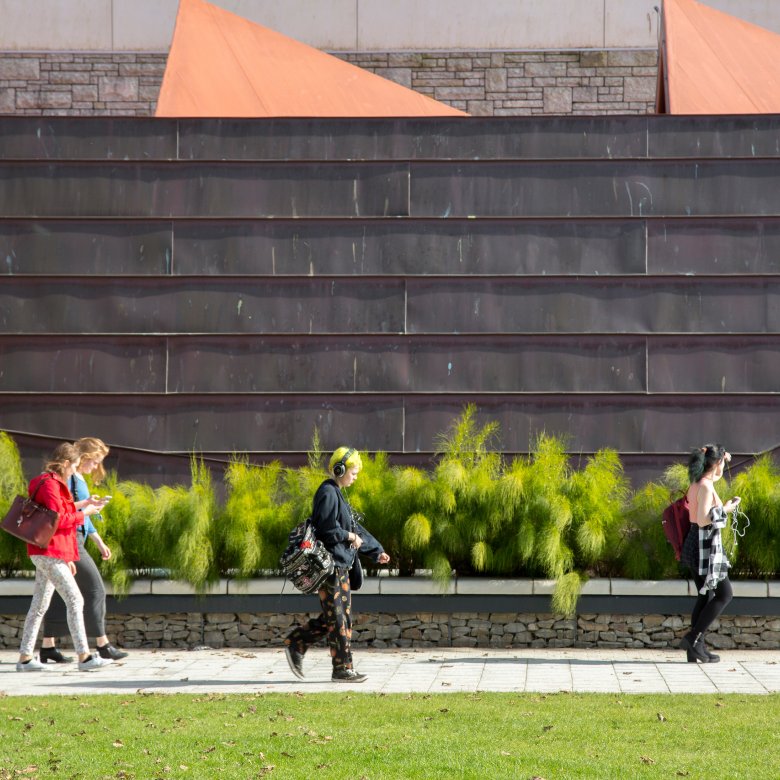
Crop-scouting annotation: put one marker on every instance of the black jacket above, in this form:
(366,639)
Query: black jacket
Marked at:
(332,519)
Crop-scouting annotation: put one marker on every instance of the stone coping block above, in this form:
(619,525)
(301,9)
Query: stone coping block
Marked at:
(620,587)
(176,588)
(750,589)
(596,588)
(137,588)
(476,586)
(479,586)
(543,587)
(412,586)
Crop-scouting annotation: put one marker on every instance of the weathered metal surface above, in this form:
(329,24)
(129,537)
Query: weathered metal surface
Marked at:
(594,305)
(409,247)
(203,305)
(403,364)
(229,423)
(537,137)
(595,188)
(165,189)
(714,364)
(409,139)
(73,247)
(212,423)
(713,246)
(639,424)
(82,364)
(87,138)
(206,305)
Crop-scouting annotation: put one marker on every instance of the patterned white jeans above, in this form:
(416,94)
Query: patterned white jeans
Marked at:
(53,574)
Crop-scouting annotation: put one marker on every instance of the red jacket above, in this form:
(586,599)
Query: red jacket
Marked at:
(55,495)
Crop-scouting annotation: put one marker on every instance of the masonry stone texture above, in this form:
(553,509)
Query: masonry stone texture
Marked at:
(489,83)
(427,630)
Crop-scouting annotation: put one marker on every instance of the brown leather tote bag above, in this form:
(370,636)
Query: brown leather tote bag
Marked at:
(31,522)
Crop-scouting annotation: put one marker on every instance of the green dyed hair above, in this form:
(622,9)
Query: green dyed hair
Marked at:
(352,460)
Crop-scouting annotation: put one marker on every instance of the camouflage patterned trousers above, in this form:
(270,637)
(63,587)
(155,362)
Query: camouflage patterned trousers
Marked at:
(335,621)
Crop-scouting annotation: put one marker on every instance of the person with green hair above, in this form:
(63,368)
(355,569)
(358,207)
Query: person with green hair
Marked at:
(337,528)
(703,549)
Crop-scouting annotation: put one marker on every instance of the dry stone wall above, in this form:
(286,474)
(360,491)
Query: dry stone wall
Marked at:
(427,630)
(481,83)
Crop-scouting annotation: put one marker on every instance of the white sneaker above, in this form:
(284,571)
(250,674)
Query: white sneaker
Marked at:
(94,662)
(31,666)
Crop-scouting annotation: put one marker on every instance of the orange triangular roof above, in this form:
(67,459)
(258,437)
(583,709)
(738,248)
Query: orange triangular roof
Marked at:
(222,65)
(713,63)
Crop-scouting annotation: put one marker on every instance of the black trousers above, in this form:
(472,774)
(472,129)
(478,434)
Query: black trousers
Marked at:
(335,621)
(55,622)
(709,605)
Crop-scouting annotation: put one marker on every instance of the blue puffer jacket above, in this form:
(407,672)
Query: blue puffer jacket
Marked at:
(333,523)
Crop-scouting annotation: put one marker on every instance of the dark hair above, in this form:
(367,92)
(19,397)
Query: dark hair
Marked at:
(704,458)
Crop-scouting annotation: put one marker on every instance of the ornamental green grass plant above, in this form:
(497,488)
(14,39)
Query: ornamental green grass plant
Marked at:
(333,736)
(13,551)
(546,515)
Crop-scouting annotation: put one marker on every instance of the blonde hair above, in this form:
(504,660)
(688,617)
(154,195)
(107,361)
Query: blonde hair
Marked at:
(352,460)
(61,457)
(93,449)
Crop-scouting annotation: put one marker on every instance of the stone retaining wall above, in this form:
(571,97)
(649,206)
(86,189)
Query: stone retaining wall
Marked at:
(486,83)
(426,630)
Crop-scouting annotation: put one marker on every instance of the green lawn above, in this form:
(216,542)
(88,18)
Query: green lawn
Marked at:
(373,736)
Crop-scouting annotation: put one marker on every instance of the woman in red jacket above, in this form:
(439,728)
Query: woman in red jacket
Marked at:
(54,565)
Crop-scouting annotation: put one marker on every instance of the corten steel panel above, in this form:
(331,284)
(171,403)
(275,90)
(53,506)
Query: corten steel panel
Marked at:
(205,305)
(398,364)
(638,423)
(295,364)
(87,138)
(48,247)
(212,423)
(714,364)
(713,136)
(78,364)
(714,246)
(410,247)
(185,189)
(156,468)
(393,139)
(590,305)
(581,189)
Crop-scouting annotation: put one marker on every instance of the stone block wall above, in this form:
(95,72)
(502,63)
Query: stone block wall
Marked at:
(427,630)
(481,83)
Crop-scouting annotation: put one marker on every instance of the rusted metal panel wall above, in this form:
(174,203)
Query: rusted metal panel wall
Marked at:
(226,286)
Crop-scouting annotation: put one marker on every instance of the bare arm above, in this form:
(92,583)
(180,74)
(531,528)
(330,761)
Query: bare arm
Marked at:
(704,500)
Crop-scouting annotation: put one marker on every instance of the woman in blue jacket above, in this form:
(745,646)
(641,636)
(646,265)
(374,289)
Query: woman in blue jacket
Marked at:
(337,528)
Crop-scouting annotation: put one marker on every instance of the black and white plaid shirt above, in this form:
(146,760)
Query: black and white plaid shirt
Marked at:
(713,563)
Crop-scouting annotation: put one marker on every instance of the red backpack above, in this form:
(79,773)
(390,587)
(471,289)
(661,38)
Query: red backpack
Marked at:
(677,522)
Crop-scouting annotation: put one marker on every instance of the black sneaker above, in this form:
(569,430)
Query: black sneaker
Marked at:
(348,675)
(109,651)
(295,659)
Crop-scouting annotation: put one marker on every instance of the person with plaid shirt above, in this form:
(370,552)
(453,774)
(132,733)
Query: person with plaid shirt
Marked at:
(703,548)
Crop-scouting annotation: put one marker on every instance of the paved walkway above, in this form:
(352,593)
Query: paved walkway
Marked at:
(438,670)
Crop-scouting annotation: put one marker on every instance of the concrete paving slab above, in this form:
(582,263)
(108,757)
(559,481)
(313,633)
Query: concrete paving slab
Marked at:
(439,670)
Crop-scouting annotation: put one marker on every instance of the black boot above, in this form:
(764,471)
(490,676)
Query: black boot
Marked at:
(692,644)
(53,654)
(712,656)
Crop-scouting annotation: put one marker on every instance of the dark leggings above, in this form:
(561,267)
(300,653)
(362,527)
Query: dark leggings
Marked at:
(710,604)
(92,589)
